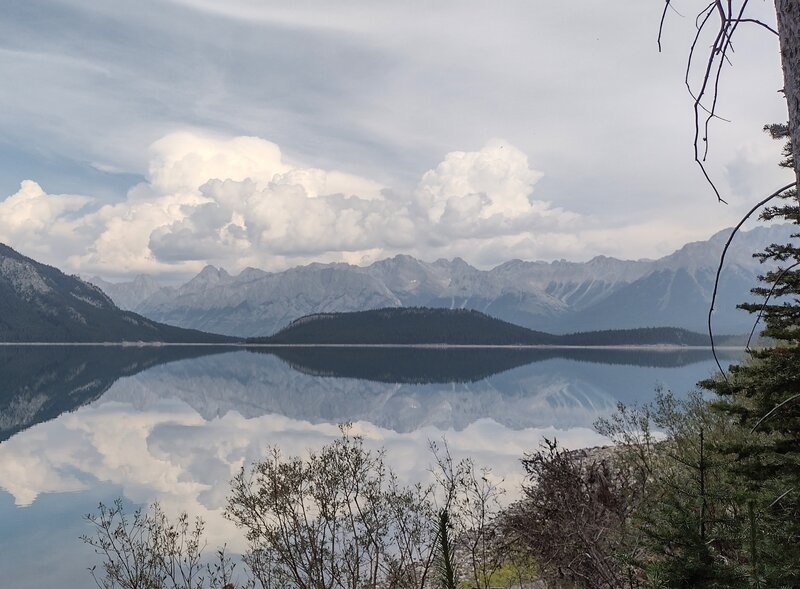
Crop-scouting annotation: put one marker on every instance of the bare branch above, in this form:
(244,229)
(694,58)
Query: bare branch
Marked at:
(755,21)
(667,5)
(728,19)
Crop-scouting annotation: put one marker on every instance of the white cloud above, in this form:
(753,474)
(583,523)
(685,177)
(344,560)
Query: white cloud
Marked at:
(31,209)
(237,201)
(38,223)
(184,161)
(386,92)
(479,185)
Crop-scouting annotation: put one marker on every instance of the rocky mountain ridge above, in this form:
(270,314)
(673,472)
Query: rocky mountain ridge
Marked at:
(559,296)
(39,303)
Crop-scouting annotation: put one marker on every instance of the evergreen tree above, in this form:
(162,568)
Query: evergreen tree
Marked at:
(762,394)
(445,557)
(685,527)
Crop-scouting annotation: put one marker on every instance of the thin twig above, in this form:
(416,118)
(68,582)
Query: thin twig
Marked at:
(661,24)
(781,496)
(773,410)
(766,300)
(755,21)
(699,25)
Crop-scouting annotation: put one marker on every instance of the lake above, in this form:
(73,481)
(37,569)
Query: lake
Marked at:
(84,424)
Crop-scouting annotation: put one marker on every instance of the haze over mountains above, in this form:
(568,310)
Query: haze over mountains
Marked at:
(559,297)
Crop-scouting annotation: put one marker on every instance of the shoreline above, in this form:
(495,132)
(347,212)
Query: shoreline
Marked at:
(632,347)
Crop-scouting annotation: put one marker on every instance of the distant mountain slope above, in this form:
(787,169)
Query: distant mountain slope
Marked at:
(128,295)
(422,325)
(39,303)
(259,303)
(558,297)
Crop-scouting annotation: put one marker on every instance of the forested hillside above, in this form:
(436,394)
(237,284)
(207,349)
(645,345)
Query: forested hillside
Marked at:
(421,325)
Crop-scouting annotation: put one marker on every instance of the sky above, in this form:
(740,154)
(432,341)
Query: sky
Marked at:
(159,136)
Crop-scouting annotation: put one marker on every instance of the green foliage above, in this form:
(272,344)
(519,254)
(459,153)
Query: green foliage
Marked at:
(516,569)
(688,520)
(720,505)
(415,325)
(762,396)
(472,506)
(693,508)
(445,566)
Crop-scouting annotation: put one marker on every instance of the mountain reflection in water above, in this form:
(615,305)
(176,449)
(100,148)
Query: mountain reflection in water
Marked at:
(397,388)
(38,383)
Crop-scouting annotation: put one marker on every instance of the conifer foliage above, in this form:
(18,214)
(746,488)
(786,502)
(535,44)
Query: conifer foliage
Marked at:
(762,394)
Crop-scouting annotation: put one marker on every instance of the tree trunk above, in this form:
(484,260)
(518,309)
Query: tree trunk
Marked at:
(788,12)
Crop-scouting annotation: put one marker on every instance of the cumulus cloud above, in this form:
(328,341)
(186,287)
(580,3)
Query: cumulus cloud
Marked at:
(237,201)
(37,222)
(241,218)
(493,181)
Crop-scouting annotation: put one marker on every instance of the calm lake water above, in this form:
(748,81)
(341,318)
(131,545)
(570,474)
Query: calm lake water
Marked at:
(80,425)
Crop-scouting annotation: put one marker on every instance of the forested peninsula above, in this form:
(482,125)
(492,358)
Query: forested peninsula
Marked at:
(462,327)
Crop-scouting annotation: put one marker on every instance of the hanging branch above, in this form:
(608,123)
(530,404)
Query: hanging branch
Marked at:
(728,20)
(722,263)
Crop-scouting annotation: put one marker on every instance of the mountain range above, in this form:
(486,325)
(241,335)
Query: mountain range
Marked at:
(558,297)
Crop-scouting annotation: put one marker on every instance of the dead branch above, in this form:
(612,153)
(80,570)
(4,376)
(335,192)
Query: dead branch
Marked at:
(705,93)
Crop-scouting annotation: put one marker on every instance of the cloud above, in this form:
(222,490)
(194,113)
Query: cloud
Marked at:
(493,181)
(184,161)
(237,201)
(40,223)
(384,92)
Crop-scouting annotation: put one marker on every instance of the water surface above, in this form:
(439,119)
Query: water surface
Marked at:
(80,425)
